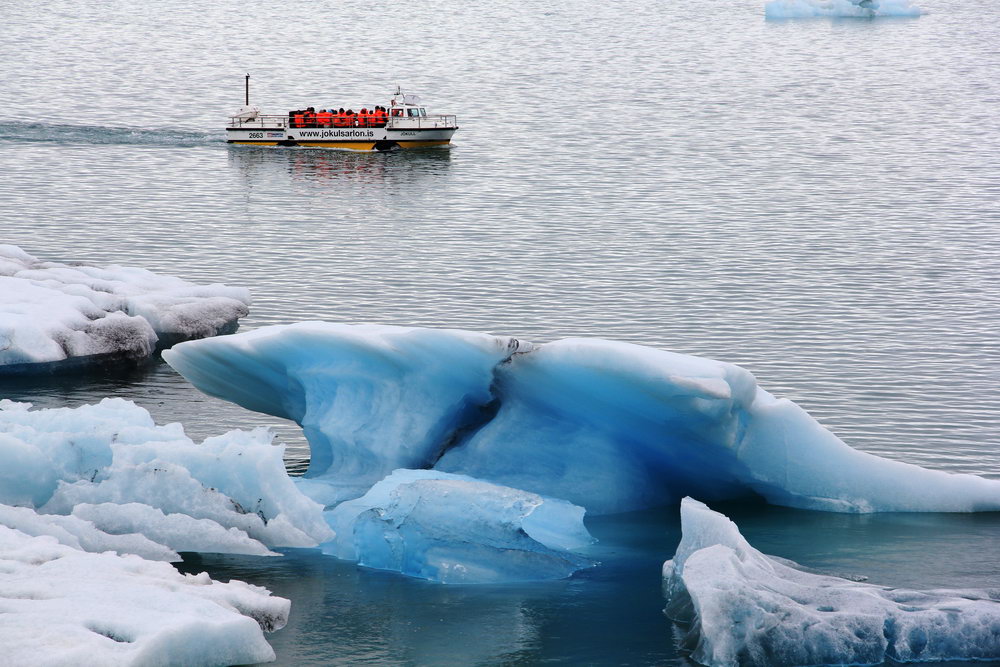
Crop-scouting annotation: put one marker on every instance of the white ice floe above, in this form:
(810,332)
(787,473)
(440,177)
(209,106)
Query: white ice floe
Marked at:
(111,465)
(454,529)
(62,607)
(788,9)
(54,315)
(741,607)
(609,426)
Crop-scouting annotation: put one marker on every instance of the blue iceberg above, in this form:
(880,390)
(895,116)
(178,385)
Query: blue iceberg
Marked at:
(738,606)
(794,9)
(609,426)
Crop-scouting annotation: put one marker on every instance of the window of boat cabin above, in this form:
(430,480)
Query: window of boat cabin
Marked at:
(413,112)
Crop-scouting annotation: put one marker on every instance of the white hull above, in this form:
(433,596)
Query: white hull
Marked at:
(354,138)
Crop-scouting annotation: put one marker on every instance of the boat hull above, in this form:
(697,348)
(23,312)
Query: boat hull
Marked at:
(356,138)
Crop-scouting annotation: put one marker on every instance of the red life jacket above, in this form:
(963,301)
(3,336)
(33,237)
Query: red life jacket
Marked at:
(324,118)
(298,120)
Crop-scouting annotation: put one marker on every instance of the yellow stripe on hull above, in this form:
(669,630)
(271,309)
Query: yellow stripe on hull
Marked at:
(349,145)
(422,144)
(352,145)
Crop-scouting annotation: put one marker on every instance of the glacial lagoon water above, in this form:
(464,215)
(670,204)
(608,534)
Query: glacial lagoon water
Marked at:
(816,200)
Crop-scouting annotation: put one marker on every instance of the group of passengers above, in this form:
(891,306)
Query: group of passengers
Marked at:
(376,117)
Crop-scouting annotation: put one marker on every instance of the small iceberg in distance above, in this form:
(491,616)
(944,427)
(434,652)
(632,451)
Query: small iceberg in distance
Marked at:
(609,426)
(795,9)
(57,317)
(454,529)
(740,607)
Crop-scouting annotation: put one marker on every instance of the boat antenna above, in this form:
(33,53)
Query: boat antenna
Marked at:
(247,103)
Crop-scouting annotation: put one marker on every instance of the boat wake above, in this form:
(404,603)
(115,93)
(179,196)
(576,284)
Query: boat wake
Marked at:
(16,131)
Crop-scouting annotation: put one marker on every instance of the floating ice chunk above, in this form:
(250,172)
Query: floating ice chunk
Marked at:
(81,534)
(369,398)
(61,606)
(454,529)
(787,9)
(741,607)
(55,315)
(113,452)
(609,426)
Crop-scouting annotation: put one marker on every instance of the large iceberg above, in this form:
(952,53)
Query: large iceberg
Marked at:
(110,467)
(605,425)
(55,316)
(455,529)
(740,607)
(62,606)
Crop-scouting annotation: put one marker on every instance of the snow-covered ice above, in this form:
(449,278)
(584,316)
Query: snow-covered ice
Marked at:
(741,607)
(455,529)
(606,425)
(56,315)
(111,466)
(62,606)
(788,9)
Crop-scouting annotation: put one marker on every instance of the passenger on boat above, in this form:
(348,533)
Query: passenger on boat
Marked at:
(298,118)
(324,118)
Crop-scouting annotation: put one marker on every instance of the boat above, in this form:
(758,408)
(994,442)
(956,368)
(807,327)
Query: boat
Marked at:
(403,123)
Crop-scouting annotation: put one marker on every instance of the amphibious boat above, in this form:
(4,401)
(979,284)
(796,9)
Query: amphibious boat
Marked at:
(404,123)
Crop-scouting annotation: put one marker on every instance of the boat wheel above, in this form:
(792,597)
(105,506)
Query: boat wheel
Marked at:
(385,145)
